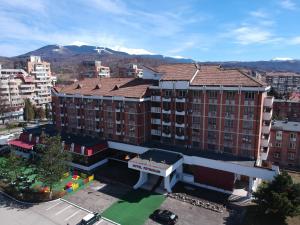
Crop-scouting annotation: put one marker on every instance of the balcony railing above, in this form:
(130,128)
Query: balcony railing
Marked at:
(155,109)
(166,123)
(268,101)
(180,112)
(267,116)
(179,124)
(166,135)
(178,99)
(166,111)
(155,98)
(155,132)
(264,153)
(155,121)
(265,142)
(266,129)
(166,99)
(179,137)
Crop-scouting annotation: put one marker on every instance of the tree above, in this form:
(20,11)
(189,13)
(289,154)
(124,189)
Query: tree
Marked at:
(28,110)
(47,112)
(279,198)
(53,162)
(39,112)
(14,166)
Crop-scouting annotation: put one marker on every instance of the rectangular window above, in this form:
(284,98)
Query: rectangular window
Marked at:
(292,145)
(293,137)
(247,124)
(168,93)
(212,94)
(279,135)
(291,156)
(277,144)
(249,96)
(276,155)
(230,95)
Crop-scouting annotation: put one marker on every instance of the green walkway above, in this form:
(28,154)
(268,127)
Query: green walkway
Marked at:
(134,208)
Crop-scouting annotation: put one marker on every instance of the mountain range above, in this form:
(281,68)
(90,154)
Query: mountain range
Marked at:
(65,60)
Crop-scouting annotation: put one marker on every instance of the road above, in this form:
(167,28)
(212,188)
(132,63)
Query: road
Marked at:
(56,212)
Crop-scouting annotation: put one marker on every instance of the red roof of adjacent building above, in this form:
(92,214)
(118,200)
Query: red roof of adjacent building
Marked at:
(177,71)
(127,87)
(20,144)
(217,76)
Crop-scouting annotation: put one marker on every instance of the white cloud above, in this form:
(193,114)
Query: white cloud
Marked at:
(259,14)
(110,6)
(295,40)
(288,4)
(251,35)
(34,5)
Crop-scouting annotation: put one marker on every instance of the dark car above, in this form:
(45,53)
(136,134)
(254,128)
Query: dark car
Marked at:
(164,216)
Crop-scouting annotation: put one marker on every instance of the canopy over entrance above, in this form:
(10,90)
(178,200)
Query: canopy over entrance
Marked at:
(157,162)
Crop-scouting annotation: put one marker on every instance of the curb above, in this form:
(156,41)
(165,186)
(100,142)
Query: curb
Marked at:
(113,222)
(25,203)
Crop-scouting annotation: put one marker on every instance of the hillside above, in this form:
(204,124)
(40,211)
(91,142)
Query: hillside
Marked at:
(65,60)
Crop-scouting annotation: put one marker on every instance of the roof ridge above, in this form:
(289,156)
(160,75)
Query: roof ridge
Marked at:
(252,78)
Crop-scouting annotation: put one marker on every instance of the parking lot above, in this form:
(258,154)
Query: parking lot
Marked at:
(56,212)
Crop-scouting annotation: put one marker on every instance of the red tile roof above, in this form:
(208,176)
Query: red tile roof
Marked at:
(177,71)
(20,144)
(127,87)
(217,76)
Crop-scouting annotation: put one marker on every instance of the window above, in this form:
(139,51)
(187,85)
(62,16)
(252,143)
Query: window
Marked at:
(292,137)
(212,123)
(279,135)
(168,93)
(291,156)
(230,95)
(247,124)
(196,94)
(228,136)
(230,109)
(249,95)
(212,94)
(181,94)
(228,124)
(196,107)
(292,145)
(276,155)
(247,139)
(277,144)
(248,110)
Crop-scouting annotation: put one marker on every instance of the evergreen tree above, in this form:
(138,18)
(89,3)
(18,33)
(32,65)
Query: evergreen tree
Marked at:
(28,110)
(279,198)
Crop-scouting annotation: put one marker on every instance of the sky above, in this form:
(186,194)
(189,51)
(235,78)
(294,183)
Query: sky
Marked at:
(204,30)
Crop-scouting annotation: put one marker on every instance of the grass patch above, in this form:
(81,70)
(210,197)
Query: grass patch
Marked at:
(134,208)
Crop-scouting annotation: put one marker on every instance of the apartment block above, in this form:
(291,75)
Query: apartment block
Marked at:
(283,82)
(34,82)
(287,108)
(211,124)
(285,144)
(89,69)
(130,70)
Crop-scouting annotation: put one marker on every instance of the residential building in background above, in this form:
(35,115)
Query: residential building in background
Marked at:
(207,112)
(287,108)
(130,70)
(34,82)
(283,82)
(285,144)
(89,69)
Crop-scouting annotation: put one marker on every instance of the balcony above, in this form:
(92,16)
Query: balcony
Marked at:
(118,132)
(266,129)
(78,117)
(156,121)
(97,108)
(155,98)
(180,99)
(268,101)
(196,100)
(166,111)
(265,142)
(166,135)
(155,132)
(166,99)
(97,130)
(118,109)
(180,112)
(155,109)
(267,116)
(77,107)
(264,152)
(166,123)
(97,119)
(179,137)
(179,124)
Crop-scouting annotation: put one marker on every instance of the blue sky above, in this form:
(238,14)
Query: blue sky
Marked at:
(205,30)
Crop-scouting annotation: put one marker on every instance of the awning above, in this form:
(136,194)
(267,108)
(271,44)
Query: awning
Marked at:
(20,144)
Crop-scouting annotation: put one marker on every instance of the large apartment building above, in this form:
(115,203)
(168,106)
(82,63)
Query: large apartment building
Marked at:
(288,108)
(283,82)
(285,144)
(89,69)
(218,119)
(130,70)
(33,82)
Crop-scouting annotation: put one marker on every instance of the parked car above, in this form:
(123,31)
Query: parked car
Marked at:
(90,219)
(164,217)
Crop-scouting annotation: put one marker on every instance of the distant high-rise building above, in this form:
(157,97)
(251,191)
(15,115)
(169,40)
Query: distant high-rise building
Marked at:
(283,82)
(130,70)
(89,69)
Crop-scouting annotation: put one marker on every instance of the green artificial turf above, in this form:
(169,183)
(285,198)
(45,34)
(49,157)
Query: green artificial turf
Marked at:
(134,208)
